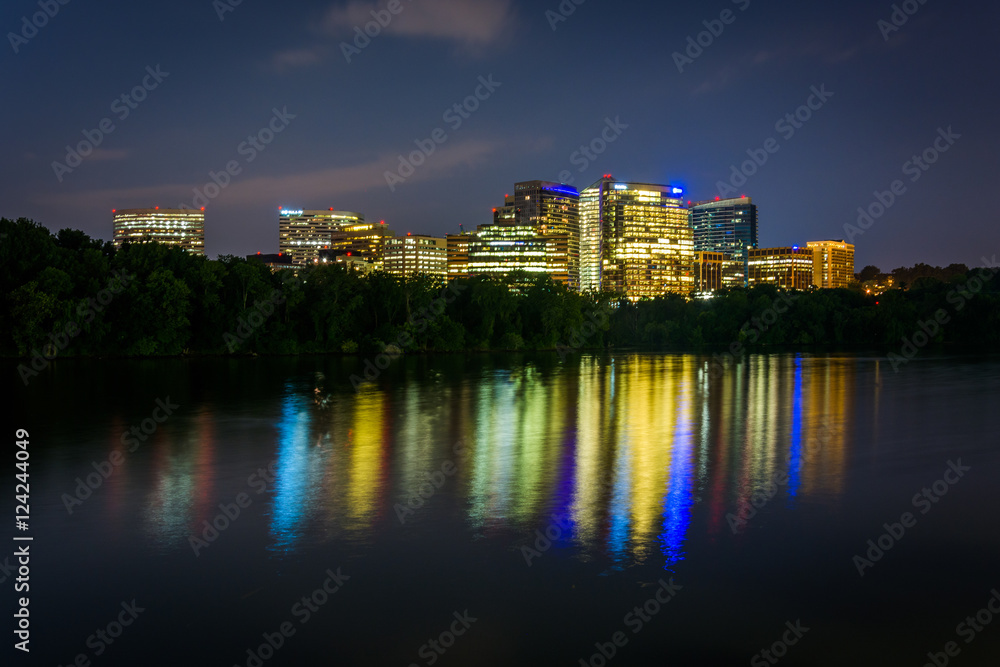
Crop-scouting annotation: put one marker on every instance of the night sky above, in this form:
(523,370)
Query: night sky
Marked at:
(557,88)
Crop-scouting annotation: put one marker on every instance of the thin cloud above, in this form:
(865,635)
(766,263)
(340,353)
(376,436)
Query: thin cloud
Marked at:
(716,83)
(108,154)
(471,27)
(96,155)
(814,47)
(298,57)
(322,185)
(471,24)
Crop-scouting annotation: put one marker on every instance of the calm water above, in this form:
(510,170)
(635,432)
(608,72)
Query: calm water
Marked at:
(636,466)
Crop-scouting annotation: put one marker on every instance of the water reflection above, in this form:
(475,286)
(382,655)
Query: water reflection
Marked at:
(293,491)
(184,468)
(624,448)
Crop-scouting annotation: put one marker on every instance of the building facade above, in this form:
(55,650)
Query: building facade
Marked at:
(458,254)
(788,268)
(591,239)
(413,255)
(548,208)
(302,234)
(353,264)
(365,240)
(833,263)
(717,270)
(724,225)
(502,249)
(635,240)
(184,228)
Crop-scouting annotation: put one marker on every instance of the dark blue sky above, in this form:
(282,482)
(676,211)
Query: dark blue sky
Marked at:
(557,88)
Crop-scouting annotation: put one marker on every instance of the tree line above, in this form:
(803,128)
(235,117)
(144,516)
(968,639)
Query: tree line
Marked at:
(66,294)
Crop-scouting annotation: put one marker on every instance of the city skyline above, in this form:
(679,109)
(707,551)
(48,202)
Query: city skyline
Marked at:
(542,228)
(639,240)
(282,247)
(269,103)
(498,332)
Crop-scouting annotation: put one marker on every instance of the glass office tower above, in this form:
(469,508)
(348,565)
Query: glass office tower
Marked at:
(635,240)
(726,225)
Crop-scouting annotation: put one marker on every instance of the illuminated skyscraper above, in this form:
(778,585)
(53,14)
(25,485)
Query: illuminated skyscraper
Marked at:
(790,268)
(549,209)
(725,225)
(591,239)
(412,255)
(635,240)
(302,234)
(833,263)
(179,227)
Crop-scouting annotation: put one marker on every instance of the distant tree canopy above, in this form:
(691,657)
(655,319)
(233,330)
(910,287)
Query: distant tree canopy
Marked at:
(869,273)
(908,276)
(70,295)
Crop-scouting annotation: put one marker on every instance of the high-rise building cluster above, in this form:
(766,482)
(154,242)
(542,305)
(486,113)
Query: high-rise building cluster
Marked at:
(639,240)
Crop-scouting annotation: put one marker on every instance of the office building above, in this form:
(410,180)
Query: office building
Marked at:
(591,239)
(413,255)
(501,249)
(365,240)
(724,225)
(184,228)
(635,240)
(716,270)
(788,268)
(548,209)
(458,254)
(302,234)
(833,263)
(352,263)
